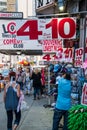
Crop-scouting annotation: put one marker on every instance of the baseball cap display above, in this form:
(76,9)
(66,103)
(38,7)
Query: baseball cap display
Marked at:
(69,70)
(57,68)
(64,70)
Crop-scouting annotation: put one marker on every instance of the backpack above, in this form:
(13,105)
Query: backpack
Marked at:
(11,101)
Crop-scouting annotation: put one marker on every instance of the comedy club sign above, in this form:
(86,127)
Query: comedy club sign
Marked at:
(46,29)
(8,35)
(8,38)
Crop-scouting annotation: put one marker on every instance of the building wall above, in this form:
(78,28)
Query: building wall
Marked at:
(22,7)
(73,7)
(27,7)
(11,5)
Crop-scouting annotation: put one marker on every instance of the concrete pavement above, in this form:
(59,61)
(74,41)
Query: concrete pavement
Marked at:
(35,118)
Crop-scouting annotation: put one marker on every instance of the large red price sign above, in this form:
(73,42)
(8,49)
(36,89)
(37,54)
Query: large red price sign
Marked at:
(40,29)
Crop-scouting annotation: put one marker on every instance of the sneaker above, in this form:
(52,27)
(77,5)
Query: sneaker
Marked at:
(38,98)
(53,104)
(51,109)
(43,95)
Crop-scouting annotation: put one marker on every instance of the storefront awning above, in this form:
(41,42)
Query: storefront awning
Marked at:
(21,52)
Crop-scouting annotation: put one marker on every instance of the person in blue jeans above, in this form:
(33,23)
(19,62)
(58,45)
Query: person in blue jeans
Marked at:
(11,100)
(63,102)
(36,76)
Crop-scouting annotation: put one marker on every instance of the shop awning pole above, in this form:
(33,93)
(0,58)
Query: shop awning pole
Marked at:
(49,84)
(84,44)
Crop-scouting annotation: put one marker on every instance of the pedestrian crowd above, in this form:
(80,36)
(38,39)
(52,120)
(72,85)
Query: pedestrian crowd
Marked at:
(16,85)
(68,82)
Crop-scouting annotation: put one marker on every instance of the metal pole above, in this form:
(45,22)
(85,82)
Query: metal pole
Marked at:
(49,84)
(48,79)
(27,8)
(60,14)
(84,44)
(10,61)
(35,7)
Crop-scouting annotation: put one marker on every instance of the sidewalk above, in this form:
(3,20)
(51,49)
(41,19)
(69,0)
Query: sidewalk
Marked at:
(35,118)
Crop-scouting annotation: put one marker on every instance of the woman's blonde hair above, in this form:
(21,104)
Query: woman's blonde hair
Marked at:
(36,70)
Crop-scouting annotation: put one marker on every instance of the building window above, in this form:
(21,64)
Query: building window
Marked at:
(3,3)
(3,9)
(44,2)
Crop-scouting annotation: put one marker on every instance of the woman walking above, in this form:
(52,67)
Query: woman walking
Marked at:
(11,99)
(27,81)
(36,76)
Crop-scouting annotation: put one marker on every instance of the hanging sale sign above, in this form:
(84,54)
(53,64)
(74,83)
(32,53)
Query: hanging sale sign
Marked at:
(84,95)
(78,57)
(51,45)
(49,57)
(56,28)
(62,55)
(65,55)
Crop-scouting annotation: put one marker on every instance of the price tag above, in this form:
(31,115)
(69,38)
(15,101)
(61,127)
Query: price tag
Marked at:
(79,57)
(84,95)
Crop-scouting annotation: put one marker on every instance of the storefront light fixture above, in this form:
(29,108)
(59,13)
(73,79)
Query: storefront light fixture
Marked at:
(61,5)
(61,8)
(18,52)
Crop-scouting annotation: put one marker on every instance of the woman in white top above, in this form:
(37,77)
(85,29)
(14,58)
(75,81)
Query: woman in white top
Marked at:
(27,81)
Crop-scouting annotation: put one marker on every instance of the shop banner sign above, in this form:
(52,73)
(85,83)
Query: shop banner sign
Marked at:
(79,57)
(41,29)
(62,55)
(84,95)
(51,45)
(8,38)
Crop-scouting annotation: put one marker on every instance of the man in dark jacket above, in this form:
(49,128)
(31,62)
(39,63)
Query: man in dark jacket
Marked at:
(36,76)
